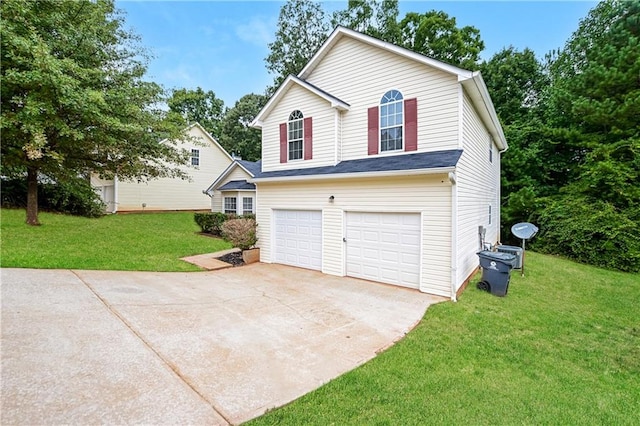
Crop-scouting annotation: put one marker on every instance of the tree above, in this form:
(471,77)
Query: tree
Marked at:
(595,101)
(73,98)
(302,28)
(436,35)
(378,19)
(236,136)
(516,81)
(198,106)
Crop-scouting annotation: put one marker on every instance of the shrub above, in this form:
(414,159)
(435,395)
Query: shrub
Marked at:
(210,222)
(240,232)
(590,231)
(75,197)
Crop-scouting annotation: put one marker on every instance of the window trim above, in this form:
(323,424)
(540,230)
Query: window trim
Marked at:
(396,101)
(296,117)
(235,205)
(195,157)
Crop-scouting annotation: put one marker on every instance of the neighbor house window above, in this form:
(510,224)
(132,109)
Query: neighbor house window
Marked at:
(391,119)
(295,135)
(195,157)
(491,155)
(230,204)
(247,205)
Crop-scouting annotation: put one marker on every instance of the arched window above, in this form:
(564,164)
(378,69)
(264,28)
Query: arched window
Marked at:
(391,121)
(295,136)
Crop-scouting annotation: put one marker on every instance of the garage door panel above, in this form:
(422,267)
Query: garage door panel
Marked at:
(298,238)
(384,247)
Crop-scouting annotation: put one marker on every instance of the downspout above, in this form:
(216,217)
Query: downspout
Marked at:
(115,194)
(499,206)
(454,235)
(336,117)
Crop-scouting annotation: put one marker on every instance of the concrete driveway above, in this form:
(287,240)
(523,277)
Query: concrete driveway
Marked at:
(174,348)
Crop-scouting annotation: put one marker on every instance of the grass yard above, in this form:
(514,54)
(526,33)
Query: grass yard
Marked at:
(132,242)
(562,348)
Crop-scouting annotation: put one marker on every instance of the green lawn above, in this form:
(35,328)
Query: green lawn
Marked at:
(562,348)
(133,242)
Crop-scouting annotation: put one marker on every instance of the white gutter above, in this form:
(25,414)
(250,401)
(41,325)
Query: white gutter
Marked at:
(333,176)
(454,235)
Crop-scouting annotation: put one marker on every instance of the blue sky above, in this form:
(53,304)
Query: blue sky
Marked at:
(221,45)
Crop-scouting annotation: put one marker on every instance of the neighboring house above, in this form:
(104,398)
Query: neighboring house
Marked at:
(208,160)
(379,163)
(231,192)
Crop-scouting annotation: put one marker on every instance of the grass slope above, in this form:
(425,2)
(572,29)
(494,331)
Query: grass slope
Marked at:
(562,348)
(133,242)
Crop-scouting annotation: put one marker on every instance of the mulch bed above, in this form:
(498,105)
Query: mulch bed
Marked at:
(234,259)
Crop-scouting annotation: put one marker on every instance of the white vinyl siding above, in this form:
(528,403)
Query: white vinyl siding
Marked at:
(311,106)
(429,196)
(478,182)
(177,194)
(341,73)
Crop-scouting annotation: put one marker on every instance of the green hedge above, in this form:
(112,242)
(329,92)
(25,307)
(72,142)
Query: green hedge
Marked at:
(590,231)
(211,222)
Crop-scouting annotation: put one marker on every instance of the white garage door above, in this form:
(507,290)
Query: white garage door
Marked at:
(298,238)
(384,247)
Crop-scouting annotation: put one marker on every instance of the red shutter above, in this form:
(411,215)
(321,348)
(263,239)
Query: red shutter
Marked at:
(411,124)
(308,138)
(284,152)
(373,135)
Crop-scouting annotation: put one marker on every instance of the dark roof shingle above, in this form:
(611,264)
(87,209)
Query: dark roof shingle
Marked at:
(418,161)
(236,185)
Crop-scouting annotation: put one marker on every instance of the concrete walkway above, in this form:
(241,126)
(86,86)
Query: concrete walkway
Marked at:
(222,347)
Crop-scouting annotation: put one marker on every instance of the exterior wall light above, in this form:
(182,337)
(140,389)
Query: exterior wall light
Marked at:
(331,198)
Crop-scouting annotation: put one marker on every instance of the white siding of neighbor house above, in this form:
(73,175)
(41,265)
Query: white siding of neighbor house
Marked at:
(238,173)
(178,194)
(429,195)
(311,105)
(360,74)
(478,182)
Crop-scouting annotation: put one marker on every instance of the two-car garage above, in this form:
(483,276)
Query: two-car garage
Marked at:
(382,247)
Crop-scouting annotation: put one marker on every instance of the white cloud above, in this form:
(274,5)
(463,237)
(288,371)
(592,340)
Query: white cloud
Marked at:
(259,31)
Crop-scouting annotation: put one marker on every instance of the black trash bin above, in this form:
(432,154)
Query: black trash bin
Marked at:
(496,271)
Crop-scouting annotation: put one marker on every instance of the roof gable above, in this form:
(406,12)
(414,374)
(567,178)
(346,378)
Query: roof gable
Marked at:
(251,169)
(289,82)
(471,80)
(210,138)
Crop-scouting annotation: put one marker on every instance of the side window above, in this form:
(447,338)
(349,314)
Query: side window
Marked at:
(295,135)
(391,121)
(247,205)
(491,153)
(489,214)
(230,205)
(195,157)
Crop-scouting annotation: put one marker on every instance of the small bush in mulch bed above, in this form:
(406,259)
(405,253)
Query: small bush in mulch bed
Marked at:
(234,259)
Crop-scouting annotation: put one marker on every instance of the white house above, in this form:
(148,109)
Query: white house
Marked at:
(208,161)
(232,192)
(379,163)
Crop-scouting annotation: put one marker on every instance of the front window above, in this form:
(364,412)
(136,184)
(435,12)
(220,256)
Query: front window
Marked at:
(229,204)
(247,205)
(295,135)
(391,119)
(195,157)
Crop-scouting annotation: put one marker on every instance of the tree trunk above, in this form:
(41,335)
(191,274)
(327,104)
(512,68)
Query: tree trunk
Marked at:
(32,196)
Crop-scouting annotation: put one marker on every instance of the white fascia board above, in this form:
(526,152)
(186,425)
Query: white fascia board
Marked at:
(334,176)
(479,95)
(340,32)
(284,88)
(226,173)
